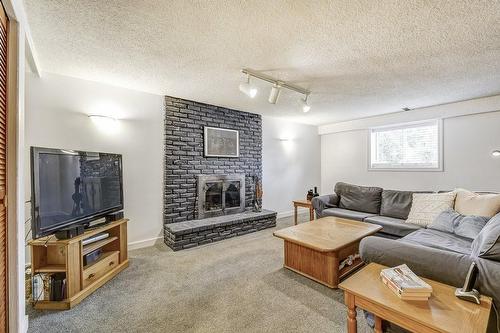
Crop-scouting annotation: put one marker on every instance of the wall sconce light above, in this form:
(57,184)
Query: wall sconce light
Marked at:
(495,153)
(104,123)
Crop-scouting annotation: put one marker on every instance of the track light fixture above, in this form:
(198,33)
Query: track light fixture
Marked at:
(250,91)
(274,94)
(247,88)
(305,107)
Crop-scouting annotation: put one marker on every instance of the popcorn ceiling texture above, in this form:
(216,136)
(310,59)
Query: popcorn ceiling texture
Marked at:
(360,58)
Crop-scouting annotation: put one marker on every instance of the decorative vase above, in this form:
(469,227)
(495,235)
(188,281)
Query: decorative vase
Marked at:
(310,195)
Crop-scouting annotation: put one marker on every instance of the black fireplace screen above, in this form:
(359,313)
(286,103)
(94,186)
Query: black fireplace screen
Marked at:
(213,196)
(233,194)
(220,194)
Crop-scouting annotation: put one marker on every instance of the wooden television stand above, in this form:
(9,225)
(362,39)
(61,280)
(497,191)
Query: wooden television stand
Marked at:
(49,255)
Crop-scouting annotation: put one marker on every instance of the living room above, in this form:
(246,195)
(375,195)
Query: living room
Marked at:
(250,166)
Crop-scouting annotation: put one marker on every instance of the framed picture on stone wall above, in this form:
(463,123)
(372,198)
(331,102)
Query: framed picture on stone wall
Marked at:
(221,142)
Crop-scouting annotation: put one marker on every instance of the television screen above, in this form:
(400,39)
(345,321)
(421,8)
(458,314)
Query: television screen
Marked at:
(73,187)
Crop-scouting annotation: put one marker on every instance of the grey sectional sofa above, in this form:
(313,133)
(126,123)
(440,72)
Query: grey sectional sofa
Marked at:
(430,253)
(387,208)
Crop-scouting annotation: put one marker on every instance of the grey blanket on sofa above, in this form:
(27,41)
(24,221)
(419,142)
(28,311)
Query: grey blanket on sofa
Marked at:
(439,240)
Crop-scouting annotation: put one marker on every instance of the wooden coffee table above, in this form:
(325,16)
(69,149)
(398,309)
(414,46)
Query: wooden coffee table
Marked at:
(442,313)
(316,249)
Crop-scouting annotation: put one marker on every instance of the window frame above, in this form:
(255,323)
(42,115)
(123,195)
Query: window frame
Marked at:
(439,168)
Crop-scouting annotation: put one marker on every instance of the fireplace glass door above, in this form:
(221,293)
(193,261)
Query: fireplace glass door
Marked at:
(220,195)
(213,196)
(232,194)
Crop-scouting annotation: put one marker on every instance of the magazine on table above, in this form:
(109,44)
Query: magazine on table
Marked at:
(406,284)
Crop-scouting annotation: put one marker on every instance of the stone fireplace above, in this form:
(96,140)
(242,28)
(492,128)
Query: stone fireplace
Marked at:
(220,195)
(210,198)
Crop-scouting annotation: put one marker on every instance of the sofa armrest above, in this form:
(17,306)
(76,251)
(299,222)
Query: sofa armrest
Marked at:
(324,201)
(443,266)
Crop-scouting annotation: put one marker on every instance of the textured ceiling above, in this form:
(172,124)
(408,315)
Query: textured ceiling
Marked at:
(359,58)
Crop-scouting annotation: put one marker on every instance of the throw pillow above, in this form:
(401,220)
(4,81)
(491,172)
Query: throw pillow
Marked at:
(427,206)
(396,204)
(470,203)
(359,198)
(487,243)
(444,221)
(468,226)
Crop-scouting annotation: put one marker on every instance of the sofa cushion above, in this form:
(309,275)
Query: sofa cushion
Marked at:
(426,207)
(487,243)
(359,198)
(470,203)
(396,204)
(468,226)
(439,240)
(346,213)
(392,226)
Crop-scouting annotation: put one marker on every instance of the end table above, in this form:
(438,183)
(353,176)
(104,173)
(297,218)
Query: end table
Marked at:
(304,204)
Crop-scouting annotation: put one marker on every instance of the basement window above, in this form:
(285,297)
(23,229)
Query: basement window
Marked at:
(415,146)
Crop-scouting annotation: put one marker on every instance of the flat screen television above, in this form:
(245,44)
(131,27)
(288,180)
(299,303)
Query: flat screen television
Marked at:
(73,187)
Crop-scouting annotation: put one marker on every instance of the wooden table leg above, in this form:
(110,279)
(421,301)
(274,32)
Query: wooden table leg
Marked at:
(295,214)
(352,325)
(311,214)
(378,324)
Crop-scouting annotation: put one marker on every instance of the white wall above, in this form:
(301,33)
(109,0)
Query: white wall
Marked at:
(290,168)
(56,117)
(468,142)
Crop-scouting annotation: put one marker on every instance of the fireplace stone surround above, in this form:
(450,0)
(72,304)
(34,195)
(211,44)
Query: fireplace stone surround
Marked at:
(185,164)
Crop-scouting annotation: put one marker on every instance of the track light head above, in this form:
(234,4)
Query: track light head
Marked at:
(495,153)
(274,94)
(303,102)
(247,88)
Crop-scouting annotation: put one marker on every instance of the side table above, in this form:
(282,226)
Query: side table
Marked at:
(304,204)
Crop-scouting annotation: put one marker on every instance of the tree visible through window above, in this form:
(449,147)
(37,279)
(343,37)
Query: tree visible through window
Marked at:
(407,146)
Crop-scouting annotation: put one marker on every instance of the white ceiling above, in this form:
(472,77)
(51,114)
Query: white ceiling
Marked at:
(359,58)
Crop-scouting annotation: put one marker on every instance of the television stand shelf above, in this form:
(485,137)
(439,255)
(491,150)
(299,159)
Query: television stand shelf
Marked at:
(96,245)
(50,255)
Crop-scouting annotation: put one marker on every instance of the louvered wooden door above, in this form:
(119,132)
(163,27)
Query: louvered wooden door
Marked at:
(3,173)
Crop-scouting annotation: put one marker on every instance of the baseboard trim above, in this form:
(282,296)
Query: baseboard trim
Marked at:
(285,214)
(143,243)
(25,327)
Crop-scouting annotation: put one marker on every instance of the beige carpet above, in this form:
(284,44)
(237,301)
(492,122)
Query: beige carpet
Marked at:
(236,285)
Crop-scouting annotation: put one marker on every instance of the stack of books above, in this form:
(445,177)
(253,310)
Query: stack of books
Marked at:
(406,284)
(49,287)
